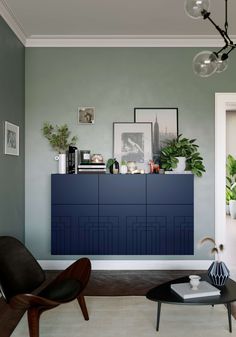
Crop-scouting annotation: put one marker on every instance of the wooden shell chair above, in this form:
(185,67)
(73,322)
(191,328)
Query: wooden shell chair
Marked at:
(21,275)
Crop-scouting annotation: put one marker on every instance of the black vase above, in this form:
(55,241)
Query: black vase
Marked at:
(115,166)
(218,273)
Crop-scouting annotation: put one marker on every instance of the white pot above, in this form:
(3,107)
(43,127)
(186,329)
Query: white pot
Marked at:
(61,163)
(123,169)
(232,208)
(180,165)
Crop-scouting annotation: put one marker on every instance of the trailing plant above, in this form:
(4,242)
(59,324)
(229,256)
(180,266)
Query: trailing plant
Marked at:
(110,162)
(58,137)
(182,147)
(217,249)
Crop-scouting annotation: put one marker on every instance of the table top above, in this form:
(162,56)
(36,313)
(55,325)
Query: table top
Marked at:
(163,293)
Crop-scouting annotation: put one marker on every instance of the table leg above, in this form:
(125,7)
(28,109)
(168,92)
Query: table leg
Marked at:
(158,314)
(229,316)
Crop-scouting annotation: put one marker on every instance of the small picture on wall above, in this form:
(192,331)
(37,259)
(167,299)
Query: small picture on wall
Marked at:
(11,139)
(86,115)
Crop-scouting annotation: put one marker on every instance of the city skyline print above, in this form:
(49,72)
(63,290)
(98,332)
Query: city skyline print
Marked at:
(164,125)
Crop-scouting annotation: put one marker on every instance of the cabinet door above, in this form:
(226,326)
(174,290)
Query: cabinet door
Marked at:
(169,189)
(75,229)
(122,229)
(170,229)
(122,189)
(71,189)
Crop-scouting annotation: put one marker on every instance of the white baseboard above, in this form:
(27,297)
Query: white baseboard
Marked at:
(131,264)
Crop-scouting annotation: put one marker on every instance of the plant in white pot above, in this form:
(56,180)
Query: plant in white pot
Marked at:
(230,185)
(183,151)
(58,137)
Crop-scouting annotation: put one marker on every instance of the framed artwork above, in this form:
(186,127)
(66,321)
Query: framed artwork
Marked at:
(164,125)
(133,142)
(86,115)
(11,139)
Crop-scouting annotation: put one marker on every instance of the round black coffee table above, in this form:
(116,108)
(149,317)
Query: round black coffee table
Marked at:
(164,294)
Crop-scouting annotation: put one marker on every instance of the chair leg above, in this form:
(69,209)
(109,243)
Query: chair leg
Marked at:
(33,321)
(83,307)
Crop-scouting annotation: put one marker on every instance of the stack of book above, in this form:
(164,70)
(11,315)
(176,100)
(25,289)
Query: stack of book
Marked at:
(92,168)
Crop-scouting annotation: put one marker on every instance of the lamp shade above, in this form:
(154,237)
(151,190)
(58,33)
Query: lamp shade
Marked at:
(194,8)
(222,65)
(205,63)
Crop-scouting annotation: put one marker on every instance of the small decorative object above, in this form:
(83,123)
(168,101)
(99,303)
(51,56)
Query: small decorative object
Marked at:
(182,147)
(131,166)
(194,281)
(133,142)
(217,272)
(113,166)
(154,168)
(123,167)
(11,139)
(164,125)
(86,115)
(97,158)
(85,156)
(58,138)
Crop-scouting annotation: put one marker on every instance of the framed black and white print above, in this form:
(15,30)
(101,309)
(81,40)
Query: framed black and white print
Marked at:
(11,139)
(86,115)
(164,125)
(133,142)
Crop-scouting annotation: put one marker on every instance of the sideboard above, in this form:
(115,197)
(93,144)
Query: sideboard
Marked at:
(105,214)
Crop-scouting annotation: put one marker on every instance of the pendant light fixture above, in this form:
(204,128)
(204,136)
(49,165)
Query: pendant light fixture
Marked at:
(207,62)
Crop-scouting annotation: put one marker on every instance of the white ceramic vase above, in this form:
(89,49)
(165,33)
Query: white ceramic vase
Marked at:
(61,163)
(180,165)
(232,208)
(123,169)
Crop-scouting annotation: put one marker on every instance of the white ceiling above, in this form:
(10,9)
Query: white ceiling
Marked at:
(113,18)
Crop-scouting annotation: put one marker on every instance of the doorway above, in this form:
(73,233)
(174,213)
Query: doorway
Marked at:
(224,102)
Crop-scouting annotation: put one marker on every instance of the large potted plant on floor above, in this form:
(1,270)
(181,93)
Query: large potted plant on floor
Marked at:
(183,151)
(58,137)
(231,186)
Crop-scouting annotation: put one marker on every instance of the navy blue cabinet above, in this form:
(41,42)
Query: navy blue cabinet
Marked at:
(122,214)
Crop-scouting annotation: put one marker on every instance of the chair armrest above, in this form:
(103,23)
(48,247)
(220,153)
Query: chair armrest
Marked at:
(25,301)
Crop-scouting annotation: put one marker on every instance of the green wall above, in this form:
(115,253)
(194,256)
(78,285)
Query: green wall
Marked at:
(12,95)
(114,81)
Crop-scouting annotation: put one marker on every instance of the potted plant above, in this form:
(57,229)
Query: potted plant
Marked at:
(230,186)
(184,151)
(113,165)
(123,167)
(58,137)
(217,272)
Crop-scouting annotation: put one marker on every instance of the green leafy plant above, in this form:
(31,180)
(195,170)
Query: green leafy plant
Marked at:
(217,249)
(123,162)
(110,162)
(182,147)
(230,178)
(58,137)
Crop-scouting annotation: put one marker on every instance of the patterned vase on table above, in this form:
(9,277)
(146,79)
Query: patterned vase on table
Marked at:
(218,273)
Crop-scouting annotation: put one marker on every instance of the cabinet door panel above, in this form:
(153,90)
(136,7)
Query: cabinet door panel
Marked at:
(170,229)
(75,229)
(122,229)
(74,189)
(122,189)
(170,189)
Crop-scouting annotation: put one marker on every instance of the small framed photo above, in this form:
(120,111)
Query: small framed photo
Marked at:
(86,115)
(133,142)
(11,139)
(164,125)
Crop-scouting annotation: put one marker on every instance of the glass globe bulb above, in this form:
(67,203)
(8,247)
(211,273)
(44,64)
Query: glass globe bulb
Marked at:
(222,65)
(194,8)
(205,63)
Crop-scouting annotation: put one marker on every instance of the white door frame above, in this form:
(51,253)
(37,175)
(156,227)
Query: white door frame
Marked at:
(223,102)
